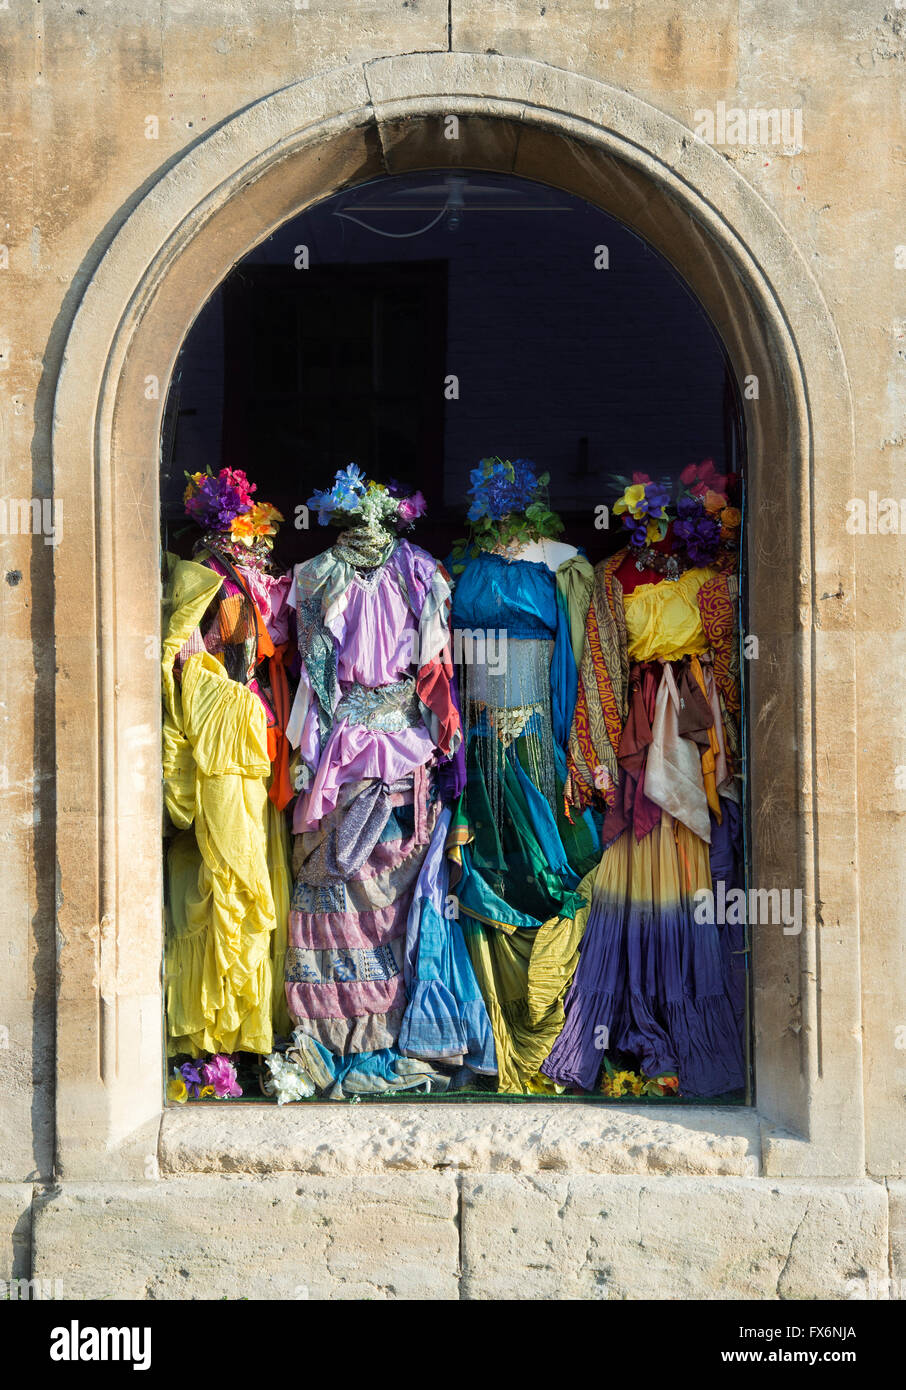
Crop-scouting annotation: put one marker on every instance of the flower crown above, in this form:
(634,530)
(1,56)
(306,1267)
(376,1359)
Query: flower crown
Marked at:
(357,499)
(704,519)
(509,508)
(500,487)
(224,504)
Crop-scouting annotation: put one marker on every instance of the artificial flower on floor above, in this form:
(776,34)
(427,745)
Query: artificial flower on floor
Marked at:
(220,1073)
(176,1089)
(287,1080)
(215,1079)
(620,1084)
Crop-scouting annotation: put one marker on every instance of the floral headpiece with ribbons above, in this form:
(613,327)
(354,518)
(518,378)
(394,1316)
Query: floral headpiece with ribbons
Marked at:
(355,500)
(223,505)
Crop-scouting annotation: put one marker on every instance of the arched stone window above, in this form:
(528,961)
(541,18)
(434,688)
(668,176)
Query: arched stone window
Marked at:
(257,171)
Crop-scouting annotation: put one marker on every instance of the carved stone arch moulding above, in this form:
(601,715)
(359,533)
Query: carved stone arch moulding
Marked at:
(225,195)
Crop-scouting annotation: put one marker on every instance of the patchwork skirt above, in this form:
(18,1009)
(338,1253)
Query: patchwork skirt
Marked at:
(354,879)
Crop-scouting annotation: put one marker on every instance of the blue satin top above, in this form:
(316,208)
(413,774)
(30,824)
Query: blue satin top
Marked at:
(521,597)
(517,595)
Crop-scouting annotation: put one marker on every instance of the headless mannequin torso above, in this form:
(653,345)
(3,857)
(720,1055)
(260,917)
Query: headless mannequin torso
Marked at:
(545,552)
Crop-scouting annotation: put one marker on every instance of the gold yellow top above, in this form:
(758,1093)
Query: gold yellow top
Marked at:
(662,620)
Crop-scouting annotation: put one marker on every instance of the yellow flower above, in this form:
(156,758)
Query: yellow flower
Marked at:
(267,511)
(242,529)
(193,485)
(262,516)
(654,532)
(630,500)
(540,1085)
(622,1083)
(205,1091)
(176,1090)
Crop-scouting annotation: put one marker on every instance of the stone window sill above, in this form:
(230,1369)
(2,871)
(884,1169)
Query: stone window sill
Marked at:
(324,1139)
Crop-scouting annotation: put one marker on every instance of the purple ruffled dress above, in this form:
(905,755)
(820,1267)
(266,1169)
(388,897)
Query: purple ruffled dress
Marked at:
(374,714)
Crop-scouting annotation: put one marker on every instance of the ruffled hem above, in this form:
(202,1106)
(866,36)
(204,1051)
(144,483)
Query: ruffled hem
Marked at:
(212,1007)
(651,981)
(698,1042)
(345,1036)
(336,931)
(595,1023)
(335,999)
(437,1028)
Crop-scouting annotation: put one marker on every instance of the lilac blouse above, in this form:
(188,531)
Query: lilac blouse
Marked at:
(385,626)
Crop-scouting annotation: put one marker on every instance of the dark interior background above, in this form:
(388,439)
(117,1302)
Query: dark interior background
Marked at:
(292,373)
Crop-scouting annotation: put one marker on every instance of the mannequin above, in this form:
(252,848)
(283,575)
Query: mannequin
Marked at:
(517,864)
(226,777)
(375,718)
(653,737)
(545,552)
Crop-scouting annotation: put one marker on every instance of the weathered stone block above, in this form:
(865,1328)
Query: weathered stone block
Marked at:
(15,1229)
(255,1238)
(548,1237)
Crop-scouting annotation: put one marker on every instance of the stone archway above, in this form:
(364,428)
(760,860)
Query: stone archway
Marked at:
(226,195)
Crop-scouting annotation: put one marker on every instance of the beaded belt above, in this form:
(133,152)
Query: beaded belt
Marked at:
(389,708)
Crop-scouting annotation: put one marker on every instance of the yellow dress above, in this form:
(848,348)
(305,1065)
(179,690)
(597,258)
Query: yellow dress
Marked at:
(227,868)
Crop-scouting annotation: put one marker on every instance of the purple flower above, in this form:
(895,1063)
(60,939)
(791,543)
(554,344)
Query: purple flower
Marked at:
(688,506)
(217,503)
(191,1075)
(696,531)
(656,498)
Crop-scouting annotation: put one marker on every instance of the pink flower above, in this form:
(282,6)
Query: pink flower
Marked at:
(411,508)
(640,478)
(236,478)
(221,1074)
